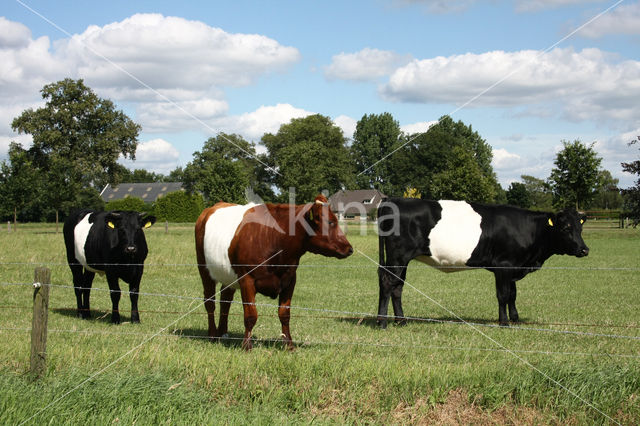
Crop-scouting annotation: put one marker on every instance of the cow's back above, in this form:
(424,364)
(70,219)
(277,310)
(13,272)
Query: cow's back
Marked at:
(511,236)
(215,229)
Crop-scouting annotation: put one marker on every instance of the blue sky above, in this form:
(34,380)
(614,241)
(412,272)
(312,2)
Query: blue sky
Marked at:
(186,71)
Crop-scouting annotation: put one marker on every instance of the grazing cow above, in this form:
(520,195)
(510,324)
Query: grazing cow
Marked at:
(457,235)
(257,248)
(110,243)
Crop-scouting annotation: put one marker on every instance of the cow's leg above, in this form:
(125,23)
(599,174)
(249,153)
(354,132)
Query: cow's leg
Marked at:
(114,291)
(248,291)
(384,283)
(226,297)
(87,277)
(284,312)
(78,286)
(513,312)
(396,297)
(134,293)
(209,286)
(503,292)
(391,283)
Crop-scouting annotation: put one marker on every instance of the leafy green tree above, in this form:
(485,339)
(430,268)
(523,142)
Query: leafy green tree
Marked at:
(539,192)
(176,175)
(462,179)
(607,194)
(179,206)
(430,162)
(139,176)
(310,155)
(375,138)
(632,195)
(133,204)
(77,139)
(19,182)
(574,178)
(517,195)
(222,170)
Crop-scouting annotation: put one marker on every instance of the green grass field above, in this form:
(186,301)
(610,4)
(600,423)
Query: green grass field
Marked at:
(574,359)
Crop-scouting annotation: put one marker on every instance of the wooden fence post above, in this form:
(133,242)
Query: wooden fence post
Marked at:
(39,324)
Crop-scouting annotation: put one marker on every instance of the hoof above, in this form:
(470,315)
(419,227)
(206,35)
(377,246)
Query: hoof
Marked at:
(401,322)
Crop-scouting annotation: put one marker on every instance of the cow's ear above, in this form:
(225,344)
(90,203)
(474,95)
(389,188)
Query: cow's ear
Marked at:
(551,220)
(313,215)
(111,219)
(147,221)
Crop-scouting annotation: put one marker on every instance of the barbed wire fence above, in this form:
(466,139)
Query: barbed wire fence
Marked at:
(358,317)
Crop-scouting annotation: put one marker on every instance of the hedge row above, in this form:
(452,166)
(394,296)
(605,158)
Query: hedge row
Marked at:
(176,206)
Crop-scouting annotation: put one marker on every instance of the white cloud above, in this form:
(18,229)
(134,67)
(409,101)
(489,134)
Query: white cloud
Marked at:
(13,34)
(26,65)
(146,59)
(615,150)
(347,124)
(366,65)
(266,119)
(509,166)
(585,85)
(624,19)
(420,127)
(171,52)
(170,117)
(156,155)
(504,159)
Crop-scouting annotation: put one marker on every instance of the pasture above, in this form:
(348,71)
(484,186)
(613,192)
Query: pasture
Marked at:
(575,358)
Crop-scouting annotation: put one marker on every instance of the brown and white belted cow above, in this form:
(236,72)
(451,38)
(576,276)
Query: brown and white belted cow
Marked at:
(257,248)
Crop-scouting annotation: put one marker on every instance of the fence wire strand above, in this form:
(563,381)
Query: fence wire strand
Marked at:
(300,343)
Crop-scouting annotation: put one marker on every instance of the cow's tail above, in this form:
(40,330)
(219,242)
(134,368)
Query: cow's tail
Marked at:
(381,240)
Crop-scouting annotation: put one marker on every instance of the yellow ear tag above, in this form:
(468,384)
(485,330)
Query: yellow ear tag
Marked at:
(148,224)
(111,225)
(310,214)
(581,221)
(550,222)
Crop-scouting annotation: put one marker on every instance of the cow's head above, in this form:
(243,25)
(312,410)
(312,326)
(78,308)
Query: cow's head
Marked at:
(566,228)
(124,230)
(327,238)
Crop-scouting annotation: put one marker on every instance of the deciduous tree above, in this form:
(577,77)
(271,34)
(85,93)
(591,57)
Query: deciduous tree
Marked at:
(310,155)
(574,178)
(77,140)
(375,138)
(632,195)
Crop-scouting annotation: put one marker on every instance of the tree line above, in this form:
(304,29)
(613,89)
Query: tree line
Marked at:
(78,138)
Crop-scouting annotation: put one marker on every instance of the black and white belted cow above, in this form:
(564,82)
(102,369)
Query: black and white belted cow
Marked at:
(110,243)
(457,235)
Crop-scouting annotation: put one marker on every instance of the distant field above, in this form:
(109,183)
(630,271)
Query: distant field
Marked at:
(575,358)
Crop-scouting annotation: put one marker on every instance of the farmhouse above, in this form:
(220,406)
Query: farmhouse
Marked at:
(355,204)
(148,192)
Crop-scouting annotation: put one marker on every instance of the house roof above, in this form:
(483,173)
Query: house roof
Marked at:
(148,192)
(355,201)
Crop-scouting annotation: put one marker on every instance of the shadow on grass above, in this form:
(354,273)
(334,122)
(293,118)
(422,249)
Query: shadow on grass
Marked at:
(230,340)
(372,322)
(97,315)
